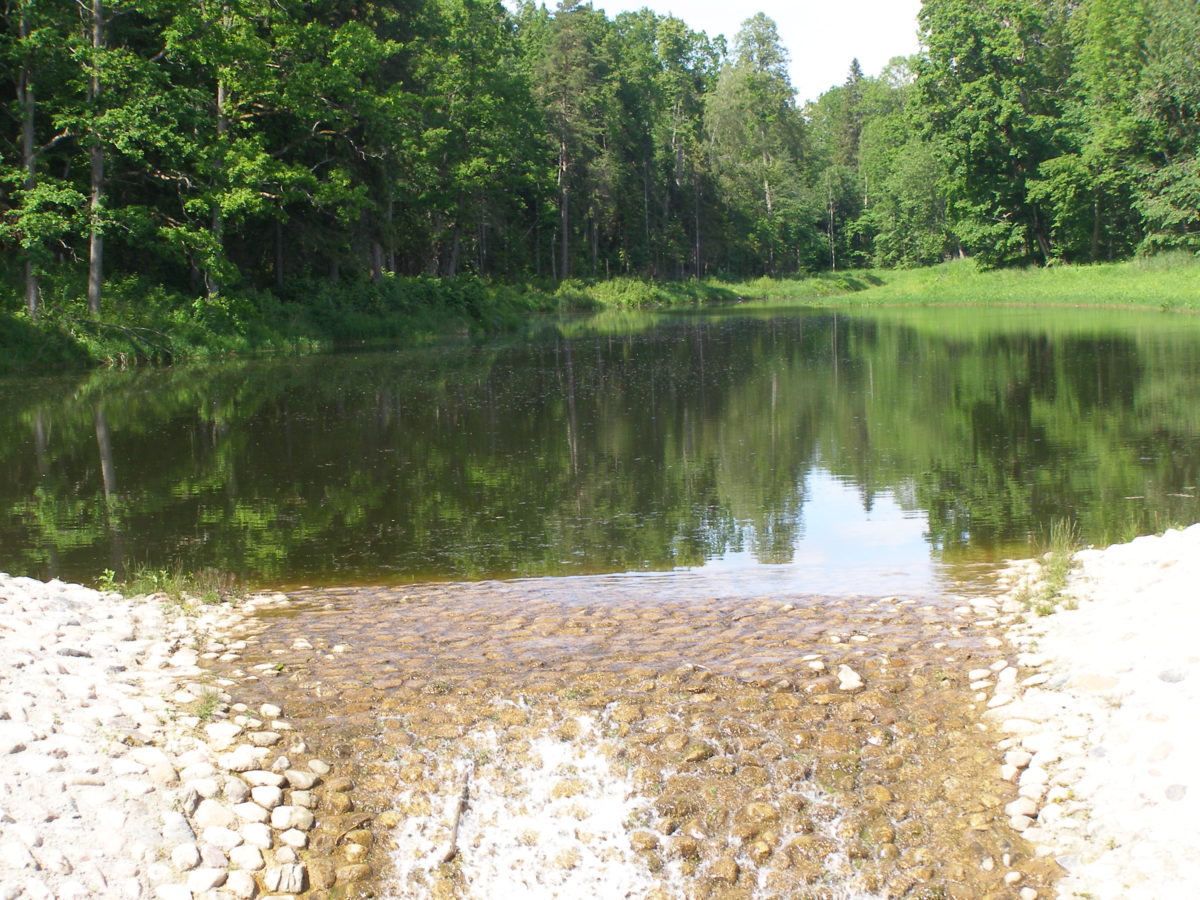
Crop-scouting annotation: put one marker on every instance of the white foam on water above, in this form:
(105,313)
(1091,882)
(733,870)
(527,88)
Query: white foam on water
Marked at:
(554,824)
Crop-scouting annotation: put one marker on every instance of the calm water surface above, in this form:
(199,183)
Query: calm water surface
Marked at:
(818,452)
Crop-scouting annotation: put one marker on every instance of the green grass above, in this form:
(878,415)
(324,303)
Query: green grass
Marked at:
(1056,563)
(1167,282)
(206,586)
(143,322)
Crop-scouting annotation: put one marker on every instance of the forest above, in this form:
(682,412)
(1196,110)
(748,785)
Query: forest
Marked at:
(205,157)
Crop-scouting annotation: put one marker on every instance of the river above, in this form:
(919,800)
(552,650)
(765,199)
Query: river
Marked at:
(594,587)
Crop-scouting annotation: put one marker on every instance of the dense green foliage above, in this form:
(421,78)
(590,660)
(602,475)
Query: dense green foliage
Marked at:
(319,161)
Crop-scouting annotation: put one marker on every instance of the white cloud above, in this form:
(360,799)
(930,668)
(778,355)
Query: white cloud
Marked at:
(822,37)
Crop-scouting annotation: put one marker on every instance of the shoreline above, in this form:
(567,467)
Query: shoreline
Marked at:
(1099,718)
(128,772)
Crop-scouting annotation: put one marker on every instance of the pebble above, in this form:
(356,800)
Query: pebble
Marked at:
(1102,787)
(106,774)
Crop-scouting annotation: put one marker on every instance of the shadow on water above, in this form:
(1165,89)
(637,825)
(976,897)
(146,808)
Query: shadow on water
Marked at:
(747,438)
(668,547)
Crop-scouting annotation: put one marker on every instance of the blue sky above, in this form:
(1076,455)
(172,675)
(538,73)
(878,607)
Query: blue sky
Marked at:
(822,37)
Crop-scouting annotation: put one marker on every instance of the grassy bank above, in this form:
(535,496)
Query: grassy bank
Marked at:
(1167,282)
(143,322)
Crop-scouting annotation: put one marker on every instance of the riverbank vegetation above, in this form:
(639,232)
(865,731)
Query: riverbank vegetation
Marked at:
(181,178)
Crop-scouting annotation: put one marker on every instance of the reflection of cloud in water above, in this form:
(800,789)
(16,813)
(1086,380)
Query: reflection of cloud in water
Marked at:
(841,548)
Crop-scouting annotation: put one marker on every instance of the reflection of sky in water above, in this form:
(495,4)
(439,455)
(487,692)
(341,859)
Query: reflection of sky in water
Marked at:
(841,549)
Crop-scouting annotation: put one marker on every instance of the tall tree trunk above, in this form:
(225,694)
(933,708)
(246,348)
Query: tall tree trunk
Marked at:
(832,225)
(650,256)
(280,255)
(455,252)
(95,237)
(376,261)
(28,103)
(211,285)
(390,262)
(564,212)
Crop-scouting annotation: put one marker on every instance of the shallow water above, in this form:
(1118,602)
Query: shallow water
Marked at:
(587,595)
(609,741)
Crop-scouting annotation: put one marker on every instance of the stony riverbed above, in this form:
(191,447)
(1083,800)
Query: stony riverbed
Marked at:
(561,738)
(572,736)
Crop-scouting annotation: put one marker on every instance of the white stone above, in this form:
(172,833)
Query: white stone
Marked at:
(236,790)
(222,838)
(242,758)
(848,680)
(1022,806)
(257,834)
(197,770)
(284,817)
(267,797)
(222,731)
(303,798)
(185,657)
(15,737)
(185,857)
(301,780)
(251,812)
(246,857)
(205,879)
(1018,758)
(241,885)
(263,777)
(213,812)
(204,787)
(288,878)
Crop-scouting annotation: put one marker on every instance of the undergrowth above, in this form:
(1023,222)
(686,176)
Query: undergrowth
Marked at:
(204,586)
(1056,564)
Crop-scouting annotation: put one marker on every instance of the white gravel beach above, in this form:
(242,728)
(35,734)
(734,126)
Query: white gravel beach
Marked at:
(126,773)
(1103,718)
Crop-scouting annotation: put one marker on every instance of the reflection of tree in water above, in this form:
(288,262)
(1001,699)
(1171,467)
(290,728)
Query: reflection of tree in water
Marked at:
(646,448)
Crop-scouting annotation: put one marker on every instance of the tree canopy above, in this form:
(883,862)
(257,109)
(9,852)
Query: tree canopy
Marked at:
(235,147)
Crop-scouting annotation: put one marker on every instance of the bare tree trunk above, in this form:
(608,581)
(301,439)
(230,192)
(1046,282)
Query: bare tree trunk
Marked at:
(280,255)
(95,237)
(564,213)
(376,261)
(650,256)
(390,262)
(455,252)
(28,103)
(832,227)
(95,285)
(211,285)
